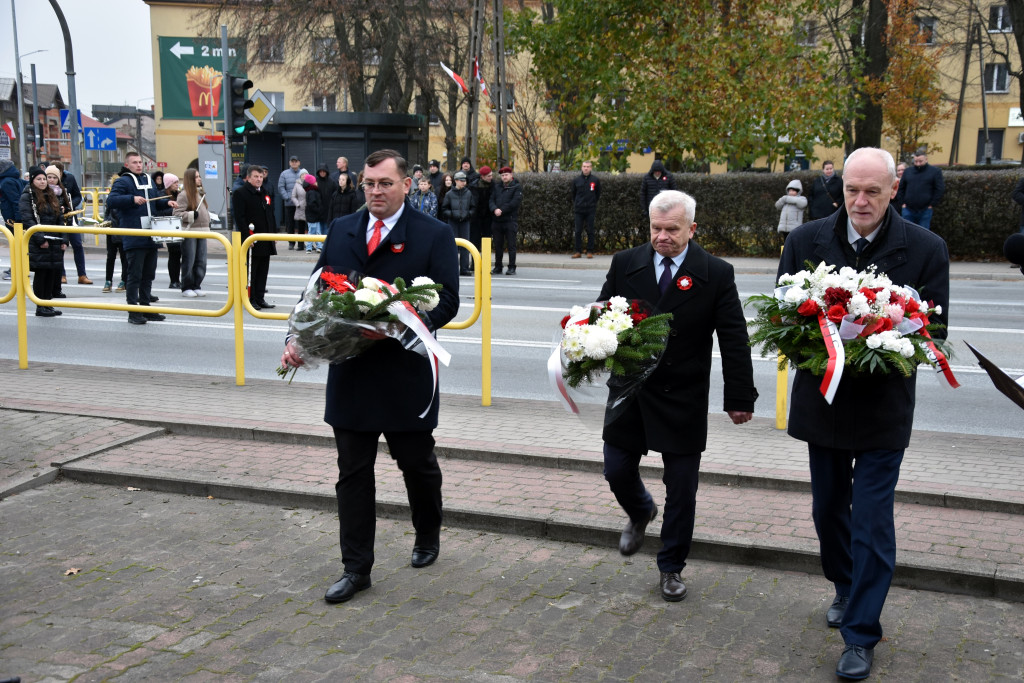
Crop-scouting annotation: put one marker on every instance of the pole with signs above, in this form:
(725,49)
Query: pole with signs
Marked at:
(225,99)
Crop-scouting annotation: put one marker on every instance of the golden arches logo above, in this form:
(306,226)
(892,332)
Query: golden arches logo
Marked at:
(204,99)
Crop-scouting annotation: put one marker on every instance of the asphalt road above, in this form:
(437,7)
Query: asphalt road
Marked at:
(527,308)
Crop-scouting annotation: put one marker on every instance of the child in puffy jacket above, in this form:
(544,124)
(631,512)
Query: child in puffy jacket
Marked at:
(792,205)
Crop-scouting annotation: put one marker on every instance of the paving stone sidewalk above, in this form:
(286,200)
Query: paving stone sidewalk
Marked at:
(192,589)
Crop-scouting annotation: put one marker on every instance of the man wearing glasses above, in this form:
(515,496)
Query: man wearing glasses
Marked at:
(385,389)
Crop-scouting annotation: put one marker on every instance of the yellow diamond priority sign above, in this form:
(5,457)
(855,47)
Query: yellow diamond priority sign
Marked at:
(262,110)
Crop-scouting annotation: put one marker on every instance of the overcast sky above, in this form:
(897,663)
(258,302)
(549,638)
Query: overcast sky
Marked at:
(111,42)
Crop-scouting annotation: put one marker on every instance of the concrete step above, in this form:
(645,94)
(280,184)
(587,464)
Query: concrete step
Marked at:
(940,548)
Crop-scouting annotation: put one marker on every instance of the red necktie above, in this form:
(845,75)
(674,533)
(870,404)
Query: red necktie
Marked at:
(374,238)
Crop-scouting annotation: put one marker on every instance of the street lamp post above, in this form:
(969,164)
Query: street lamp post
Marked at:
(69,57)
(21,92)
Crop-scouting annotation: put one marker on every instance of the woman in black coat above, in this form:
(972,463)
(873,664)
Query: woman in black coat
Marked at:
(343,202)
(40,206)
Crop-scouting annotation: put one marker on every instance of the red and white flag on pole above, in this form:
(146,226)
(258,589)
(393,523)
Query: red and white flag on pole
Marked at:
(455,77)
(9,129)
(480,77)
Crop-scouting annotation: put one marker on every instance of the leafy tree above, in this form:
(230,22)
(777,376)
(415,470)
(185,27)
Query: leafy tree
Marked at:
(910,94)
(716,80)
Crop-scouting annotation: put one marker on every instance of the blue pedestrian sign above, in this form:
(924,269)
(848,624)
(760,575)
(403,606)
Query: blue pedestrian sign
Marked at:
(103,139)
(65,127)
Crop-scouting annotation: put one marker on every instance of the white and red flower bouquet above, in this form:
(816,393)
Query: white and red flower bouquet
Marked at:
(342,315)
(618,340)
(825,322)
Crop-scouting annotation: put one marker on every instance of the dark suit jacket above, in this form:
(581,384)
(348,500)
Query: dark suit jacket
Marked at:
(386,387)
(870,412)
(670,413)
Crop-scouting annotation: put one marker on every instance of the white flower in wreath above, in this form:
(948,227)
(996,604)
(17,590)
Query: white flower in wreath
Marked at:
(891,340)
(431,303)
(873,341)
(859,305)
(906,348)
(616,321)
(371,283)
(618,304)
(572,342)
(795,295)
(579,312)
(368,298)
(599,343)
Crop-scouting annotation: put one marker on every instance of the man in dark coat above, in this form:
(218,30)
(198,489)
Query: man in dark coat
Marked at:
(826,193)
(457,208)
(386,388)
(436,177)
(506,197)
(861,436)
(921,189)
(130,197)
(585,193)
(253,207)
(480,226)
(670,412)
(656,180)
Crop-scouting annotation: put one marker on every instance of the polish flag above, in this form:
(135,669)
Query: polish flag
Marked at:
(480,77)
(9,129)
(455,77)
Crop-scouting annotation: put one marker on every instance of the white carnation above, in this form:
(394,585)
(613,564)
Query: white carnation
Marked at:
(368,298)
(421,280)
(371,283)
(906,348)
(883,297)
(873,341)
(938,309)
(891,340)
(859,305)
(431,303)
(795,295)
(618,304)
(598,342)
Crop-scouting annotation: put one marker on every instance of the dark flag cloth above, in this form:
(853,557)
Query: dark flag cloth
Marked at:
(1012,388)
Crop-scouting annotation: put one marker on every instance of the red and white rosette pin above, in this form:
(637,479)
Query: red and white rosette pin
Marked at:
(684,282)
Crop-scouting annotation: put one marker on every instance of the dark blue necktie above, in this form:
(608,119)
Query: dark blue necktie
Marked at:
(860,245)
(666,274)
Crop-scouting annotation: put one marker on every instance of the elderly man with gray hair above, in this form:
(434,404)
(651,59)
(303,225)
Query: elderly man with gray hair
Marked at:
(855,443)
(669,413)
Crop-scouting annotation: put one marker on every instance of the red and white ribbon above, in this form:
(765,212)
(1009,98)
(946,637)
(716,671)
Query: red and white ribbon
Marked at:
(937,358)
(406,314)
(836,357)
(558,382)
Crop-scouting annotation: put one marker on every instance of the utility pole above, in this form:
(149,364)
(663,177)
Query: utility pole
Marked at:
(954,148)
(984,107)
(20,87)
(69,57)
(476,31)
(503,99)
(37,138)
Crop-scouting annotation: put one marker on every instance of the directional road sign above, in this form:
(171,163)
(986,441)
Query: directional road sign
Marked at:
(65,127)
(103,139)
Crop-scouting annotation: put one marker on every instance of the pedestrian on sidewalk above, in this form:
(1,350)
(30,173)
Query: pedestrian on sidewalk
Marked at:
(39,205)
(585,193)
(195,216)
(70,183)
(299,216)
(670,412)
(791,209)
(115,244)
(53,179)
(855,444)
(388,239)
(506,197)
(826,193)
(921,189)
(314,207)
(285,184)
(171,189)
(253,206)
(457,209)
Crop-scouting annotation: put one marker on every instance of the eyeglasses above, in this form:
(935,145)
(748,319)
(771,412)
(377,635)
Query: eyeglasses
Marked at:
(383,186)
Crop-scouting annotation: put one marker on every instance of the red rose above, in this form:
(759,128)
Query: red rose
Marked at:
(837,296)
(869,293)
(808,308)
(836,314)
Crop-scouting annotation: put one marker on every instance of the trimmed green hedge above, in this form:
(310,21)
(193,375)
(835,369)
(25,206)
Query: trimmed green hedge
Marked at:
(736,213)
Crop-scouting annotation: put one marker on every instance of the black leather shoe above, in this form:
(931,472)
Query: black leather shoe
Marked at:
(633,535)
(60,295)
(264,304)
(45,312)
(424,555)
(255,305)
(56,311)
(347,586)
(154,316)
(496,270)
(855,663)
(511,270)
(136,320)
(834,616)
(464,273)
(672,587)
(153,299)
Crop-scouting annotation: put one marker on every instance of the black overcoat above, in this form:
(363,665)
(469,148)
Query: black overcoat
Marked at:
(670,413)
(386,387)
(868,412)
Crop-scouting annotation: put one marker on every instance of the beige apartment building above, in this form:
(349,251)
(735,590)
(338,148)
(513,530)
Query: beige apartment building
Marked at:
(182,109)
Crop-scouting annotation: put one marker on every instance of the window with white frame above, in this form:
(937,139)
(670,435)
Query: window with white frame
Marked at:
(999,19)
(324,102)
(270,50)
(997,78)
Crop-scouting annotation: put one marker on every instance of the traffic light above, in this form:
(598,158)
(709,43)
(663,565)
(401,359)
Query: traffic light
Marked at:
(238,123)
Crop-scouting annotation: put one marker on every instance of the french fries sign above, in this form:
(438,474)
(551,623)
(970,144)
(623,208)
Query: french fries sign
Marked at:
(190,75)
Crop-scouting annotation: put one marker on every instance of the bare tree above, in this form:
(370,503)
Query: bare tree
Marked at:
(525,121)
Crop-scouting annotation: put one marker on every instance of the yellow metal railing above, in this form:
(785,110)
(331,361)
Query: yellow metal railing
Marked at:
(237,300)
